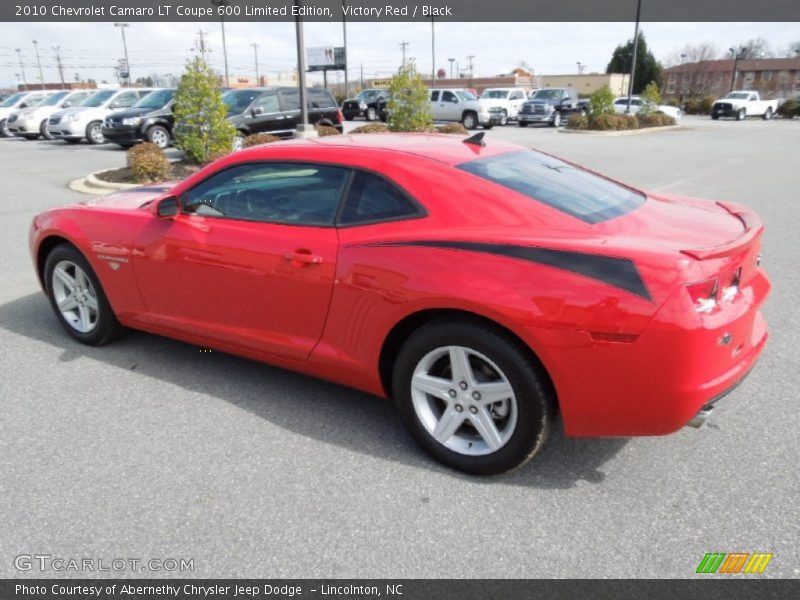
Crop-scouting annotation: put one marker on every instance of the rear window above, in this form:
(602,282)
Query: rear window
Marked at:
(569,189)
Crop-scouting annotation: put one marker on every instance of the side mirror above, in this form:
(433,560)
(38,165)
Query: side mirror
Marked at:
(23,105)
(66,104)
(166,208)
(256,110)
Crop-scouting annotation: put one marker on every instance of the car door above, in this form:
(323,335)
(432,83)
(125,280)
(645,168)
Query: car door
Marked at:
(290,105)
(434,103)
(265,114)
(449,106)
(515,100)
(250,258)
(124,100)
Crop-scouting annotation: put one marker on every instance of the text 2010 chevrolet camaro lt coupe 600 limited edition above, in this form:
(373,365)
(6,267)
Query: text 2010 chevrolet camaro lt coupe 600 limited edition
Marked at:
(484,287)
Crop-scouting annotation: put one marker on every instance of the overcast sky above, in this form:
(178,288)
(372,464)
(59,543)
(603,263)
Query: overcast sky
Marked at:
(92,49)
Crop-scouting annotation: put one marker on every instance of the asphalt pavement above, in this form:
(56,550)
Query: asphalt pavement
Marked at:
(150,448)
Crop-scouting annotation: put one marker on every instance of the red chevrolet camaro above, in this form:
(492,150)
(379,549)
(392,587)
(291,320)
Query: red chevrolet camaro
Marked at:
(485,287)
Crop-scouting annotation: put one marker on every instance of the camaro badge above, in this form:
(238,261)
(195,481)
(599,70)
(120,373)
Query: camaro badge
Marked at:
(725,339)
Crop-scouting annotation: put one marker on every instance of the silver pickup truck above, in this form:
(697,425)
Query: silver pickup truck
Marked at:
(462,106)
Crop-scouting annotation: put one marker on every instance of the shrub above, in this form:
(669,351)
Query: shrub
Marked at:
(148,163)
(371,128)
(651,98)
(603,102)
(605,122)
(456,128)
(628,122)
(578,122)
(789,109)
(257,139)
(409,104)
(202,130)
(699,105)
(323,130)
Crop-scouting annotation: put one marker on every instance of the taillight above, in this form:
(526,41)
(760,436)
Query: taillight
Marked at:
(704,295)
(340,116)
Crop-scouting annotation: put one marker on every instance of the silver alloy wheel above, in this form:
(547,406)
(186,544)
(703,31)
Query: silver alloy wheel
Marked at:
(372,115)
(469,121)
(96,133)
(160,138)
(464,400)
(75,296)
(504,118)
(557,119)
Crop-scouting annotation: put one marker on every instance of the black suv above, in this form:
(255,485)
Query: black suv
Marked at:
(277,110)
(150,119)
(370,104)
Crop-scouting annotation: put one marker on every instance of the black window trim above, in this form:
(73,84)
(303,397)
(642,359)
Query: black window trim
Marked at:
(421,211)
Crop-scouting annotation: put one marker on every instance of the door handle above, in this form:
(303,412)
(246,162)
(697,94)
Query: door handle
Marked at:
(303,257)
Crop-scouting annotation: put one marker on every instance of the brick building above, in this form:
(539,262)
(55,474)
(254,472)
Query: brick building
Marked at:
(771,77)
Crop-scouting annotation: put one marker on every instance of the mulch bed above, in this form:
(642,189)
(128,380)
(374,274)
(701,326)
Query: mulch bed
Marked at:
(180,170)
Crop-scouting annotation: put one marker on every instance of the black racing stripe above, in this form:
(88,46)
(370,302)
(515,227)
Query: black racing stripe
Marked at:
(619,272)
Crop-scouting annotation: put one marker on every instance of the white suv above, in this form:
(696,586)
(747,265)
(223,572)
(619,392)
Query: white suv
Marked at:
(508,100)
(461,105)
(86,120)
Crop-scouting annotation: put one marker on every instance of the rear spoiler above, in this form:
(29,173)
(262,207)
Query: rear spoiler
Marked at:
(752,230)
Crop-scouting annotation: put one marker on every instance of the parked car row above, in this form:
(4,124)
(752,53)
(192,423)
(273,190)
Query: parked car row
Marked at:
(129,116)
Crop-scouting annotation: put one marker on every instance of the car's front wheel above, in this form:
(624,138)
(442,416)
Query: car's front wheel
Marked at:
(504,118)
(77,297)
(372,114)
(741,114)
(4,130)
(43,131)
(556,120)
(94,133)
(159,136)
(471,396)
(469,120)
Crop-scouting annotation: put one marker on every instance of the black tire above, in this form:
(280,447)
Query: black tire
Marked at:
(556,120)
(523,124)
(158,135)
(371,114)
(4,131)
(106,327)
(126,145)
(504,118)
(715,116)
(535,404)
(94,133)
(348,116)
(469,120)
(741,115)
(43,131)
(768,114)
(72,140)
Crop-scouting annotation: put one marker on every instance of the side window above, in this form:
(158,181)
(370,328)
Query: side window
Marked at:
(449,97)
(288,193)
(320,98)
(435,96)
(372,198)
(125,100)
(268,103)
(290,99)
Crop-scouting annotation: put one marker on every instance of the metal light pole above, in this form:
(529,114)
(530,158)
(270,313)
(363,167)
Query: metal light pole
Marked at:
(57,50)
(635,49)
(452,60)
(21,68)
(303,128)
(255,53)
(433,54)
(344,36)
(219,3)
(736,56)
(39,63)
(122,27)
(580,68)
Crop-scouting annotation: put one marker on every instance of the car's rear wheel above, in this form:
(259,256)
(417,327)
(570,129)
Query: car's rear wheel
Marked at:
(4,131)
(768,114)
(471,397)
(469,120)
(158,135)
(43,131)
(77,297)
(556,120)
(94,133)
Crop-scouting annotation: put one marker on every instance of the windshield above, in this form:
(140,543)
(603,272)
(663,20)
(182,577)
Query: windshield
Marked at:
(465,95)
(495,94)
(739,95)
(98,98)
(12,100)
(547,95)
(53,99)
(569,189)
(368,95)
(155,99)
(237,101)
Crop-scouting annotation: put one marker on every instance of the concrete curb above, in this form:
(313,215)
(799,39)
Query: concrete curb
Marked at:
(623,132)
(97,187)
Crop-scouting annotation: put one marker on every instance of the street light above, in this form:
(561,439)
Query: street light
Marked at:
(344,36)
(255,53)
(635,48)
(122,27)
(303,128)
(21,68)
(580,68)
(224,44)
(452,60)
(736,57)
(39,62)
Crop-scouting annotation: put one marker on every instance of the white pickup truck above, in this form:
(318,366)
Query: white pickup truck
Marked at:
(744,104)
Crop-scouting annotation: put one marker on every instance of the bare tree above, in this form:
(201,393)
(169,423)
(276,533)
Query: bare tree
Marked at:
(693,53)
(754,48)
(694,79)
(792,50)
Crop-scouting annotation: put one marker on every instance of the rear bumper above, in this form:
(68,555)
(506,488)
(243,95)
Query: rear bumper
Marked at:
(658,383)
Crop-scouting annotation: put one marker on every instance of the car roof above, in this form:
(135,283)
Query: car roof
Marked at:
(444,148)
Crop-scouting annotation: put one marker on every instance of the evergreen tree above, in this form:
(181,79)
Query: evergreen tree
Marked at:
(647,67)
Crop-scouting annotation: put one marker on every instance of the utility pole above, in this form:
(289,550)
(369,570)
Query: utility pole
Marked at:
(220,3)
(344,36)
(21,68)
(202,42)
(403,46)
(303,128)
(39,62)
(580,68)
(736,56)
(635,49)
(362,76)
(469,58)
(452,60)
(255,53)
(433,54)
(57,50)
(122,27)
